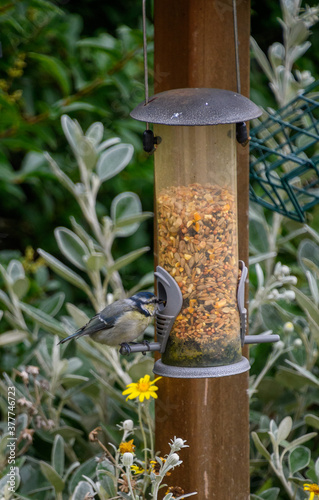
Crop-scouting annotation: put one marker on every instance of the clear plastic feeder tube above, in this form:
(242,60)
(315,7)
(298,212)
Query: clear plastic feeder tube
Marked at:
(197,243)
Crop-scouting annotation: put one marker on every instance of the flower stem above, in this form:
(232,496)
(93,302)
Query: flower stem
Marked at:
(140,419)
(128,477)
(150,427)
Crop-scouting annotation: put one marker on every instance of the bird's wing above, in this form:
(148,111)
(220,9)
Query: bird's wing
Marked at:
(99,322)
(106,319)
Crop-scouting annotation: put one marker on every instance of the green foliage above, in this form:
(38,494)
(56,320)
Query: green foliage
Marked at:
(285,80)
(48,70)
(84,210)
(57,400)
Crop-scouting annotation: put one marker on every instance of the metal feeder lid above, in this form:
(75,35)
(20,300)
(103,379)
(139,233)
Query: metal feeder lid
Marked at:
(196,106)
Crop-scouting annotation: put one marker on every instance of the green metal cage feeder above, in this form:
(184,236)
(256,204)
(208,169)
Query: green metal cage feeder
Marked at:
(284,157)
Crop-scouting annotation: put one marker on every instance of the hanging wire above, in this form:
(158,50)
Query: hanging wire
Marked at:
(145,56)
(236,47)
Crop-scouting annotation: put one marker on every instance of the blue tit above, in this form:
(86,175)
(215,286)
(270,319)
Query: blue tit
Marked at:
(120,322)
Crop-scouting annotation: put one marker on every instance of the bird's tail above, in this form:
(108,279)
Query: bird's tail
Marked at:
(74,335)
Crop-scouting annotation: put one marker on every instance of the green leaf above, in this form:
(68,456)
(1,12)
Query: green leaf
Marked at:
(71,246)
(127,259)
(276,54)
(20,287)
(82,490)
(284,429)
(308,255)
(262,59)
(43,319)
(87,152)
(15,270)
(271,494)
(291,379)
(303,371)
(64,271)
(95,262)
(52,476)
(260,447)
(53,304)
(312,420)
(298,459)
(314,328)
(77,314)
(72,132)
(108,143)
(63,178)
(67,432)
(143,367)
(55,68)
(114,160)
(103,41)
(12,337)
(84,236)
(297,51)
(95,133)
(298,481)
(298,32)
(300,440)
(107,483)
(74,364)
(125,206)
(86,469)
(273,315)
(5,275)
(31,163)
(57,456)
(72,380)
(4,298)
(306,304)
(133,219)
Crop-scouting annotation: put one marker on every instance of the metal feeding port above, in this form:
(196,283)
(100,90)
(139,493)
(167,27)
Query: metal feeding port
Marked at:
(168,291)
(171,298)
(249,339)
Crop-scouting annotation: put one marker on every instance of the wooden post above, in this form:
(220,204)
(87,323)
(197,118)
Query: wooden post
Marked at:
(194,47)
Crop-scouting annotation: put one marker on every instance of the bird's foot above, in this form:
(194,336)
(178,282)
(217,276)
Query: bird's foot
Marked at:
(146,342)
(125,348)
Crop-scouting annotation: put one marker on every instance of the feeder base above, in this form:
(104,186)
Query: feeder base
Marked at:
(201,372)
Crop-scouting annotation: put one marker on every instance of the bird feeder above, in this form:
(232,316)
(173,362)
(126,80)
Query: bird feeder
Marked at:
(196,226)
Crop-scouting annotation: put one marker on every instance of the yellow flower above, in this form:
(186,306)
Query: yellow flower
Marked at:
(142,389)
(156,466)
(313,489)
(177,491)
(127,447)
(15,72)
(137,470)
(4,85)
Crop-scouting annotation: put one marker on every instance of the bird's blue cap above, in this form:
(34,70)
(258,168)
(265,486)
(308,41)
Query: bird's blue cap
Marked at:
(145,295)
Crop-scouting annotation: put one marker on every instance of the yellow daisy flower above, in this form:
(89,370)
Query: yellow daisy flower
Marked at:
(313,489)
(137,469)
(127,447)
(144,388)
(155,465)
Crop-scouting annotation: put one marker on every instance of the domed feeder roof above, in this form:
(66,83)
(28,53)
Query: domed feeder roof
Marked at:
(196,106)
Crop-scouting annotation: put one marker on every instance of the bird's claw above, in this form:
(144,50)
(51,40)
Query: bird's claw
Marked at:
(125,348)
(146,342)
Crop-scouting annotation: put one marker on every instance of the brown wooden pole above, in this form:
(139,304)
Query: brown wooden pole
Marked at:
(194,47)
